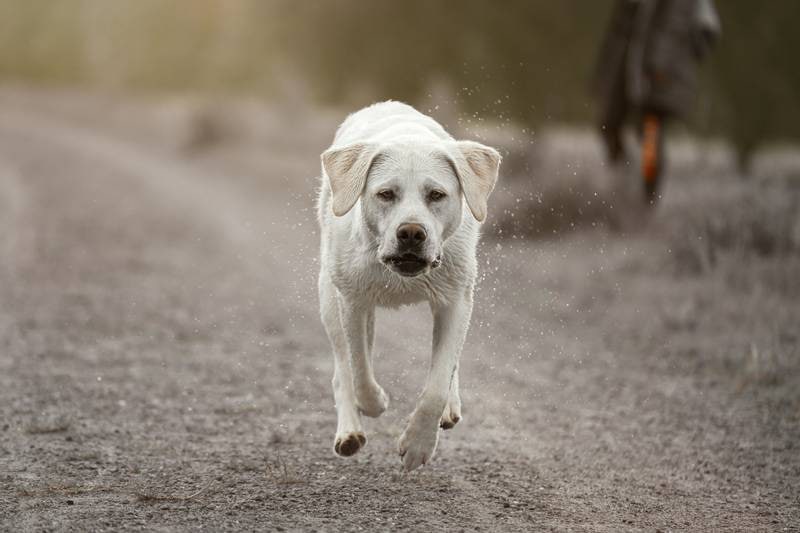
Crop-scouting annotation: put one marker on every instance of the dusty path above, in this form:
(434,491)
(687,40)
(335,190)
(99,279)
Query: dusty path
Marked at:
(162,365)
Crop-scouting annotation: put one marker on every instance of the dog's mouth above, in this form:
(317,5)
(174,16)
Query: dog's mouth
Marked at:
(409,264)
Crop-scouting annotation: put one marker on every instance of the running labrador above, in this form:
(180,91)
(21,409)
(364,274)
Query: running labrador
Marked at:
(400,208)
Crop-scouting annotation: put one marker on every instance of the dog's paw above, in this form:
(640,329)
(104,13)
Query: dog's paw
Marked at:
(416,448)
(349,443)
(372,400)
(450,417)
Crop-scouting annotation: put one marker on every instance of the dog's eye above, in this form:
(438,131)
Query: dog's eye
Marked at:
(387,195)
(435,196)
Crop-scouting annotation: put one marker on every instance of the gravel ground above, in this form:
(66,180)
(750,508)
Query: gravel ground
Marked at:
(163,367)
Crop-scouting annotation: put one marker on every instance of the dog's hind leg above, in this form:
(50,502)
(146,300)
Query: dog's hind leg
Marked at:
(359,324)
(349,433)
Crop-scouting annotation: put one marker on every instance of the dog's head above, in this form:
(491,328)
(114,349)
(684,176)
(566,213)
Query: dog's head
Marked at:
(412,194)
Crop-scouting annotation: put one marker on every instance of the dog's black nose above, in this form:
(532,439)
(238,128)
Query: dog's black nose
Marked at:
(410,235)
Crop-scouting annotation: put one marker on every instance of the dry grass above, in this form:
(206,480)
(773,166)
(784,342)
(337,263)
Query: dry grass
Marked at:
(149,496)
(751,219)
(277,471)
(560,183)
(281,473)
(61,490)
(761,367)
(553,185)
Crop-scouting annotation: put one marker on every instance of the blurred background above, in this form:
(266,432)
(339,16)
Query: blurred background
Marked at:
(528,60)
(162,364)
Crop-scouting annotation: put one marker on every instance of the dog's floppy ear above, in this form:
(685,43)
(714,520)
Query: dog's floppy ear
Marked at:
(347,170)
(476,166)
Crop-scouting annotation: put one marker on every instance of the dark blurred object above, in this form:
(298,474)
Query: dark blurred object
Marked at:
(525,61)
(648,69)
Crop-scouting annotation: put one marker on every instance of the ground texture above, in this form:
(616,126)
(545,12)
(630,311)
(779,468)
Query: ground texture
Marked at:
(163,367)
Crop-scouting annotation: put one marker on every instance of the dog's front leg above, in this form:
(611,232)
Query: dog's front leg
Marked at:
(358,320)
(452,412)
(349,433)
(450,323)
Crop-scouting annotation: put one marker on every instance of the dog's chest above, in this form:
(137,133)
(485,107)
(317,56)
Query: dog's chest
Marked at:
(397,292)
(378,286)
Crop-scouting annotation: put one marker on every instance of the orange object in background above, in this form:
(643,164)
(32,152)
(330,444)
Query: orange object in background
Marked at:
(650,144)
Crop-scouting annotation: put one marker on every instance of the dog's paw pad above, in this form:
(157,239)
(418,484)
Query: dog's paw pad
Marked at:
(449,421)
(349,444)
(451,416)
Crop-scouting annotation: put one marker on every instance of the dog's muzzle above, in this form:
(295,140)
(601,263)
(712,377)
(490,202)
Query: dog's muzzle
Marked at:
(410,264)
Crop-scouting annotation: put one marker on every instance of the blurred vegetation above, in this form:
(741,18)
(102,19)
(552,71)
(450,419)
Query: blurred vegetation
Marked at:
(530,60)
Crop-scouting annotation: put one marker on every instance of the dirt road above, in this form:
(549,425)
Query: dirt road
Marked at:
(162,365)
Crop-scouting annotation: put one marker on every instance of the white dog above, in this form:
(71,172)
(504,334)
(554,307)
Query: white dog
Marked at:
(399,209)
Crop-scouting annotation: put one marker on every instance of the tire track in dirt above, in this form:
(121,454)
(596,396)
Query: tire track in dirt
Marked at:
(254,238)
(169,181)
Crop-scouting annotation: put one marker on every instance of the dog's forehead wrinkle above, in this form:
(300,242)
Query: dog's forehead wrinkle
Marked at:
(411,164)
(442,180)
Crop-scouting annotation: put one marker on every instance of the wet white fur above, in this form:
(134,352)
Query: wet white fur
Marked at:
(353,280)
